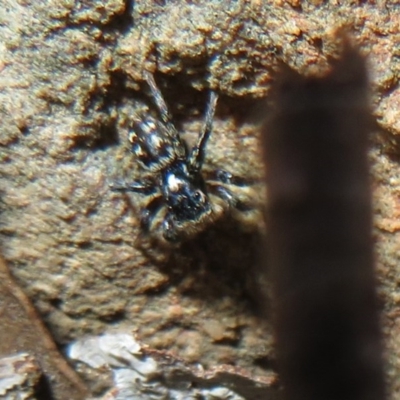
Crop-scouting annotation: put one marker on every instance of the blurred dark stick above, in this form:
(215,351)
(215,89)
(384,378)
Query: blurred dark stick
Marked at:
(319,234)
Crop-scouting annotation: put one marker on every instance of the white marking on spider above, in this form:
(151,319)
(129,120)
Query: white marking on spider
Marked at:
(149,127)
(156,141)
(174,183)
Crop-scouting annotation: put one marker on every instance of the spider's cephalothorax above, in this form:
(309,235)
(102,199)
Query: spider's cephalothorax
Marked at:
(174,184)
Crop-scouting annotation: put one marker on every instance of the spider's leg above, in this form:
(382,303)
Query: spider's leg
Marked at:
(222,176)
(143,186)
(163,110)
(149,212)
(217,182)
(170,234)
(229,197)
(158,97)
(196,157)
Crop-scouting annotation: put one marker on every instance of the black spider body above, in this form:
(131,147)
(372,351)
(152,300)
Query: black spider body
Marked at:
(174,181)
(185,197)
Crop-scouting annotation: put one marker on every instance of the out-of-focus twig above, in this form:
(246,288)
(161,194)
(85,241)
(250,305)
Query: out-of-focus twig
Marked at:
(23,331)
(319,240)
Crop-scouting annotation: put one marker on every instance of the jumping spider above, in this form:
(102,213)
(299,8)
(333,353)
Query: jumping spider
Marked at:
(177,189)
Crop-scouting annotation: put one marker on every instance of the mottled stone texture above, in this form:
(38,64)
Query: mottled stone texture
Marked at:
(19,375)
(71,79)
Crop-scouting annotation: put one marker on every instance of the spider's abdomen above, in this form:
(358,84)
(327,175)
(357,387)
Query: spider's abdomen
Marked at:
(152,145)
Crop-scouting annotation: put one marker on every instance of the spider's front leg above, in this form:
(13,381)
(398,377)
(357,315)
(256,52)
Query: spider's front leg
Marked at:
(147,188)
(142,186)
(148,213)
(222,176)
(169,229)
(197,155)
(229,187)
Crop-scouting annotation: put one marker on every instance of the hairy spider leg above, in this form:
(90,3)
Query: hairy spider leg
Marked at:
(216,181)
(149,212)
(164,113)
(145,187)
(228,196)
(222,176)
(197,155)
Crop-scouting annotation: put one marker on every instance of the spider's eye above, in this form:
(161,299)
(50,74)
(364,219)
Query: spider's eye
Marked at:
(199,196)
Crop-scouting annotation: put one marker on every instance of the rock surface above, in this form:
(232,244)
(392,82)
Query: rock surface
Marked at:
(71,79)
